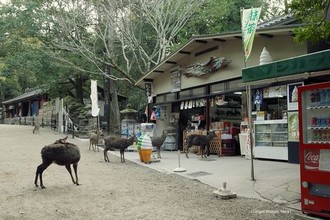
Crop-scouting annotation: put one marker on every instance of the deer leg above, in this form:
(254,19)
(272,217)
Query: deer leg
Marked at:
(36,178)
(205,149)
(106,154)
(40,170)
(158,152)
(122,158)
(106,158)
(68,167)
(208,149)
(75,168)
(187,149)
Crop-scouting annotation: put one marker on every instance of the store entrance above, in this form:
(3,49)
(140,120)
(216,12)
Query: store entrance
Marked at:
(191,117)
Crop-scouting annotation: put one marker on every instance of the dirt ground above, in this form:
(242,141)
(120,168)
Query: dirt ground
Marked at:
(112,190)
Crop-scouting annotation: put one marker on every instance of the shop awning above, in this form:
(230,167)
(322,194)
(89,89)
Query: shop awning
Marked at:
(312,62)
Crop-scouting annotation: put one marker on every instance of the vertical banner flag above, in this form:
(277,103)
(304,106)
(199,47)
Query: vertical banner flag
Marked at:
(250,18)
(148,90)
(94,99)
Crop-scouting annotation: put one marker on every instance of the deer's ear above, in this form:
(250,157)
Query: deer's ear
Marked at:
(64,139)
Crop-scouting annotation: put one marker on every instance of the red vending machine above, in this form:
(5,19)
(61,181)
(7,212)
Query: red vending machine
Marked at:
(314,141)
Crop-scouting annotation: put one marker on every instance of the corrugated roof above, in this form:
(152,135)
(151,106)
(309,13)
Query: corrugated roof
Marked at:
(278,21)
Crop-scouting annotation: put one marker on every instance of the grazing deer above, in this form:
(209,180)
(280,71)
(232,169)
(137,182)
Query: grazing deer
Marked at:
(62,153)
(203,141)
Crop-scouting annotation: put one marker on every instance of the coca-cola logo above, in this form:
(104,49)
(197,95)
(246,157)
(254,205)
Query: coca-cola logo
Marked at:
(312,158)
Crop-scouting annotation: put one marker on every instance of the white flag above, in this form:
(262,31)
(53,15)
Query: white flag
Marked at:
(250,18)
(94,99)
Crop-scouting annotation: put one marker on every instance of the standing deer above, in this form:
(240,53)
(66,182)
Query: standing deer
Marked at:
(36,128)
(94,139)
(117,143)
(158,142)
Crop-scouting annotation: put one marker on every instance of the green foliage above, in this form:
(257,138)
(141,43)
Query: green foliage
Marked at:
(316,15)
(215,16)
(25,56)
(135,96)
(21,53)
(30,36)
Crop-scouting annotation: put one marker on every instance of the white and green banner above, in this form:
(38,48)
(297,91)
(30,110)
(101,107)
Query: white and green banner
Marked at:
(250,18)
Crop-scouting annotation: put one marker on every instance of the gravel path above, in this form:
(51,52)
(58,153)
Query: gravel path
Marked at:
(112,190)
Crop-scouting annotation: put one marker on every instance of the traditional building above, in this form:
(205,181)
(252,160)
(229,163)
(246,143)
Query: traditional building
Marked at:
(200,85)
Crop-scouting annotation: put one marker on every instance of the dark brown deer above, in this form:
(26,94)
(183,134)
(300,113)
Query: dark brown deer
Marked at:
(117,143)
(203,141)
(62,153)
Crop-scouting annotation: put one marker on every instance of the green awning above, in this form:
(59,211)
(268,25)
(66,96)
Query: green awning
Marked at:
(307,63)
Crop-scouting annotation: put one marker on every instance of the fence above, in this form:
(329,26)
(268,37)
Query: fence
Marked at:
(28,120)
(65,126)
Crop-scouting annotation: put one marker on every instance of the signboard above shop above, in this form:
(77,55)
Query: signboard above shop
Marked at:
(307,63)
(275,91)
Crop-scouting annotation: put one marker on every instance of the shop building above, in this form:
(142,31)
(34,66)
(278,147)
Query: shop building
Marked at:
(199,87)
(276,126)
(29,104)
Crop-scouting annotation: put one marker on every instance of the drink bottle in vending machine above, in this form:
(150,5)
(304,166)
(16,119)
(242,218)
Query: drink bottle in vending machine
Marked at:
(314,147)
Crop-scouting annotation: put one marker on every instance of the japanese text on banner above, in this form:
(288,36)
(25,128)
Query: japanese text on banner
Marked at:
(250,18)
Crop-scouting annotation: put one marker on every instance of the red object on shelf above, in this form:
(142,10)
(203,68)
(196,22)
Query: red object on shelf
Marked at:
(233,131)
(314,147)
(225,126)
(202,117)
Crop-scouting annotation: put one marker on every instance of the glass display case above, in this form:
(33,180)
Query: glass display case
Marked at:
(271,139)
(317,115)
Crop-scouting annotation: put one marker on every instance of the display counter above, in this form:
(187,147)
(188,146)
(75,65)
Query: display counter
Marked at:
(271,139)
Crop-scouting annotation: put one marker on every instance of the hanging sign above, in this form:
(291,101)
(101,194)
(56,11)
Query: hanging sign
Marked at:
(292,95)
(175,79)
(148,88)
(94,98)
(250,18)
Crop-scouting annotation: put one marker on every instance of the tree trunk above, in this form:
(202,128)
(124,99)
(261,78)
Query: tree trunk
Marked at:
(107,98)
(79,89)
(114,106)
